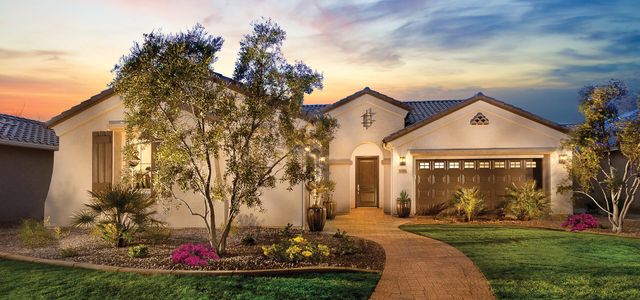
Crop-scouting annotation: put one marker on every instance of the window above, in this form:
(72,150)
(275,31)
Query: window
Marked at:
(454,165)
(469,164)
(530,164)
(515,164)
(438,165)
(483,165)
(423,165)
(498,164)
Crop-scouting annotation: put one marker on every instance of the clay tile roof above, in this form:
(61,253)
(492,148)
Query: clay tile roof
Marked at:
(21,132)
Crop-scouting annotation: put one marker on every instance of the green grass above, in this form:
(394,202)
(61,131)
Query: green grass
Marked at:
(20,280)
(527,263)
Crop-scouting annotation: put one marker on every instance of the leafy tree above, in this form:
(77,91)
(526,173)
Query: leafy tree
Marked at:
(594,143)
(118,213)
(224,140)
(527,201)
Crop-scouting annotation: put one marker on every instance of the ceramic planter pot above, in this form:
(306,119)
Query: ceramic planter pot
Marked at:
(330,206)
(316,216)
(403,208)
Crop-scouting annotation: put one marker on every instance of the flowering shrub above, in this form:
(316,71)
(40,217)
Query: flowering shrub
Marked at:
(193,255)
(296,249)
(580,222)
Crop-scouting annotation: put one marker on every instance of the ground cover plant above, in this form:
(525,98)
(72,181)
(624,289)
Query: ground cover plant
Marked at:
(531,263)
(21,280)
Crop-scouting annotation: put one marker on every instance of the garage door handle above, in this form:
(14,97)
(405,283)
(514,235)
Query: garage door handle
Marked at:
(358,188)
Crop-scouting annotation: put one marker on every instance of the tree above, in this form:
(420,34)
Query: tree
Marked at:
(526,201)
(592,168)
(223,140)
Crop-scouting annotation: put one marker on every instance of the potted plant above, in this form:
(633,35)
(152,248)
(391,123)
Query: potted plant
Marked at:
(317,214)
(403,204)
(330,206)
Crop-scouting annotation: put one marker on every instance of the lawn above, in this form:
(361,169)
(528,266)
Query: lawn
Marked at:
(20,280)
(527,263)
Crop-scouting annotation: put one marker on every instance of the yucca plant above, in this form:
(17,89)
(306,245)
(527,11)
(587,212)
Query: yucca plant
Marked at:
(468,202)
(527,202)
(117,213)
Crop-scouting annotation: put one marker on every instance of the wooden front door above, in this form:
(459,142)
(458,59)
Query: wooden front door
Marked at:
(102,160)
(367,181)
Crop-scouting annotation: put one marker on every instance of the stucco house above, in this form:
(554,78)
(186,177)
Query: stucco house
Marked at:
(383,146)
(26,164)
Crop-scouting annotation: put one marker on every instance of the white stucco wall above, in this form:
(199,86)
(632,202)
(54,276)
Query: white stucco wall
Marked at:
(72,176)
(507,135)
(353,140)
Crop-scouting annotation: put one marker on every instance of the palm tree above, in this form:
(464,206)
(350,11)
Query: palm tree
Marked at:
(118,213)
(527,201)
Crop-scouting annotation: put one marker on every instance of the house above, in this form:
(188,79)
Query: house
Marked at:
(383,146)
(26,164)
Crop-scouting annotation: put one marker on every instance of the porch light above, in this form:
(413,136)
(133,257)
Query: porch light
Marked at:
(403,161)
(322,159)
(562,158)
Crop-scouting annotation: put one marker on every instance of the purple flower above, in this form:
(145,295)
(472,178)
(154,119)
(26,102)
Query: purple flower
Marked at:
(580,222)
(193,255)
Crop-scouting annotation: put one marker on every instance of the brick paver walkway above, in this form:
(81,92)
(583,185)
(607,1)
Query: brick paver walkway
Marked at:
(416,267)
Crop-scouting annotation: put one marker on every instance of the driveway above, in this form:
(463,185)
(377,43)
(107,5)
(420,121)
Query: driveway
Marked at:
(417,267)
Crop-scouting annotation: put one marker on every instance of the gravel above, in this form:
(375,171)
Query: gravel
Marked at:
(91,249)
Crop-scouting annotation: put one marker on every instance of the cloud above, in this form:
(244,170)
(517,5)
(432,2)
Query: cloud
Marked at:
(41,54)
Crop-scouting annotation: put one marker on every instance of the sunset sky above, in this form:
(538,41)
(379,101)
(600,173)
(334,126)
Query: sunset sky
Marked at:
(534,54)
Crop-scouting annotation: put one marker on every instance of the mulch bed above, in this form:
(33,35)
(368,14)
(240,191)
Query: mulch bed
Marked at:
(631,223)
(91,249)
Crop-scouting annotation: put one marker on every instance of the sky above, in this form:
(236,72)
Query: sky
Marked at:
(534,54)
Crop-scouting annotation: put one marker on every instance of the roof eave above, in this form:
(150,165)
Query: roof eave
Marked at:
(28,145)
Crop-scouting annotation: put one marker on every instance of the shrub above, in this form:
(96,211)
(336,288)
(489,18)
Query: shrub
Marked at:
(138,251)
(193,255)
(580,222)
(340,234)
(527,202)
(69,252)
(468,202)
(34,234)
(248,240)
(117,213)
(287,231)
(296,249)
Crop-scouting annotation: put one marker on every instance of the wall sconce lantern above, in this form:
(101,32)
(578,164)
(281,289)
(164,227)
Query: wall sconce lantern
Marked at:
(562,158)
(367,118)
(403,161)
(323,159)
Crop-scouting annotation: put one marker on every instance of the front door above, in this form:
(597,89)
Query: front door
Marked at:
(367,181)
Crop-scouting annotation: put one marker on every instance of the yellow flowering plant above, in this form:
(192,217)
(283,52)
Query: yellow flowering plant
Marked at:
(296,249)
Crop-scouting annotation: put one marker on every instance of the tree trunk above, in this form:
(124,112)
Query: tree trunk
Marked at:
(616,223)
(222,246)
(213,236)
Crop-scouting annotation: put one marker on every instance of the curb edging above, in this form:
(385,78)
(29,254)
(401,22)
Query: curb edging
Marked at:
(264,272)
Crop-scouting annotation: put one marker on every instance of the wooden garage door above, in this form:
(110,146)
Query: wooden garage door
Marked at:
(437,180)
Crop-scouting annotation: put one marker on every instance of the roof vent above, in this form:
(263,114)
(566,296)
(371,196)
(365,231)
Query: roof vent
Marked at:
(479,119)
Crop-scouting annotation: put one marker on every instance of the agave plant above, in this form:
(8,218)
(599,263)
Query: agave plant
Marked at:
(468,202)
(117,213)
(527,202)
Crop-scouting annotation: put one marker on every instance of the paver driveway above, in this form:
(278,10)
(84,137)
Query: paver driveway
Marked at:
(417,267)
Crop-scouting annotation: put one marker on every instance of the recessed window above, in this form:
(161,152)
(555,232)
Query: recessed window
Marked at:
(530,164)
(498,164)
(483,165)
(454,165)
(438,165)
(469,164)
(515,164)
(423,165)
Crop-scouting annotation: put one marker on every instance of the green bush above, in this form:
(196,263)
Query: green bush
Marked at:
(527,202)
(118,213)
(296,249)
(468,202)
(68,252)
(34,234)
(138,251)
(340,234)
(287,231)
(346,244)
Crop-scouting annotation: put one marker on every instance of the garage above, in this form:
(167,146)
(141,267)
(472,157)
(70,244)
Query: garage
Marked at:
(438,179)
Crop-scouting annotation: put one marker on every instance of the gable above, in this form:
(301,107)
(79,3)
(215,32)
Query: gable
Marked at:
(478,97)
(480,125)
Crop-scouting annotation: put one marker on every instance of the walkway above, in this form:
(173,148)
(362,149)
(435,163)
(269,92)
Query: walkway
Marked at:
(416,267)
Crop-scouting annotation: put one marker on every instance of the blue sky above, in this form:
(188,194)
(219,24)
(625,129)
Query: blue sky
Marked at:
(534,54)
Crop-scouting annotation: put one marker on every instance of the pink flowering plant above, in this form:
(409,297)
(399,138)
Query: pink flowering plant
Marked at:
(580,222)
(195,255)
